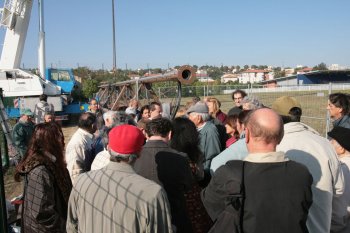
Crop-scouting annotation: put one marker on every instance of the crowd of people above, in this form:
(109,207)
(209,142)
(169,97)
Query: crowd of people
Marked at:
(254,169)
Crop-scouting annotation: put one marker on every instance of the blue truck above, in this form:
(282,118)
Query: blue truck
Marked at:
(21,89)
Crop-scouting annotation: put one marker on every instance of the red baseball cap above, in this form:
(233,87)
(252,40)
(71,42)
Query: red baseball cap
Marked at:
(126,139)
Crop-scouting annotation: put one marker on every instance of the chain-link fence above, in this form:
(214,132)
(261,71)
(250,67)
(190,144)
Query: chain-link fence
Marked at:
(313,98)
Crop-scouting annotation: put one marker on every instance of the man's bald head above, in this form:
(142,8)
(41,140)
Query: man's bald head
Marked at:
(266,126)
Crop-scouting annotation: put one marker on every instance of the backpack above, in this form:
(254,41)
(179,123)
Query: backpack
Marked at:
(230,219)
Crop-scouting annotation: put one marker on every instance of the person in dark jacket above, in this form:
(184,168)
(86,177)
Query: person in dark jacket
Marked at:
(237,97)
(277,191)
(47,184)
(185,139)
(167,167)
(23,130)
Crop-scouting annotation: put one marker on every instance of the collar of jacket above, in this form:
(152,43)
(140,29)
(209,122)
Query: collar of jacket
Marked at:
(293,127)
(85,133)
(121,166)
(156,143)
(340,120)
(270,157)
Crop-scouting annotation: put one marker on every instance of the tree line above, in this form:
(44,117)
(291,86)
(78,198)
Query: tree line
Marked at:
(91,79)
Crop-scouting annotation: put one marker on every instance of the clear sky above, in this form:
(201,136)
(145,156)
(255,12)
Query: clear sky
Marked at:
(195,32)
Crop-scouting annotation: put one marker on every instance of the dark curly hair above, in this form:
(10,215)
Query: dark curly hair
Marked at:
(158,127)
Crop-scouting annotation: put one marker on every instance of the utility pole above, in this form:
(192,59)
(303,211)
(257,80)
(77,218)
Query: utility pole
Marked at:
(114,47)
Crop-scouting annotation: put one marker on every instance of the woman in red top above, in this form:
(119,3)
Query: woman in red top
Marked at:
(214,109)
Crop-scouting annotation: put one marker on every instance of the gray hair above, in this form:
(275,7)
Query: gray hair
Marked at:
(253,102)
(117,117)
(205,116)
(117,157)
(108,114)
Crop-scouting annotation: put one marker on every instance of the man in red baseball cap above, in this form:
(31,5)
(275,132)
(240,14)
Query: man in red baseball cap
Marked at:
(115,197)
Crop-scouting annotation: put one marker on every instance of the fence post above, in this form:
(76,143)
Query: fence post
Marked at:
(328,120)
(3,210)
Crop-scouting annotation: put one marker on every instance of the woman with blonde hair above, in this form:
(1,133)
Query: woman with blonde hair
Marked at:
(214,109)
(47,184)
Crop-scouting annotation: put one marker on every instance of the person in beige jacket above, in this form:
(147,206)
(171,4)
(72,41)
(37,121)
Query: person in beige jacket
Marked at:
(115,198)
(303,144)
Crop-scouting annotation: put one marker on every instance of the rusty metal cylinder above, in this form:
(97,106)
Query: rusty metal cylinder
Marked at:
(185,74)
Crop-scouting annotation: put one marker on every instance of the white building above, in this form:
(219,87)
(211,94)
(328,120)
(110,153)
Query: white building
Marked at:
(337,67)
(289,71)
(202,76)
(253,76)
(229,77)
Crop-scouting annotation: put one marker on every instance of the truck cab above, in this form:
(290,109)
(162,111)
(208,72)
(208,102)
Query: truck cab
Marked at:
(63,78)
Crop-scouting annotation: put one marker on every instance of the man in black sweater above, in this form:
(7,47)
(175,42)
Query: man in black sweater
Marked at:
(277,191)
(168,168)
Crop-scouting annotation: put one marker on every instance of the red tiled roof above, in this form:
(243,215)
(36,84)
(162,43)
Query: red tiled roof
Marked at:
(255,71)
(306,69)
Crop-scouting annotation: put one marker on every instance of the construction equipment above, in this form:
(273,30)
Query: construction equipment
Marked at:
(57,84)
(113,96)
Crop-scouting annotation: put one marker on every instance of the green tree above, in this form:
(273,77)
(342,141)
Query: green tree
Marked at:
(246,67)
(261,67)
(83,72)
(321,66)
(90,86)
(278,73)
(214,72)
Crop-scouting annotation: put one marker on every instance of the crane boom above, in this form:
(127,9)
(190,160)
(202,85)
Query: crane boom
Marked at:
(15,16)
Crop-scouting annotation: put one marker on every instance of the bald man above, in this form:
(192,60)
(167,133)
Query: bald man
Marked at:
(277,191)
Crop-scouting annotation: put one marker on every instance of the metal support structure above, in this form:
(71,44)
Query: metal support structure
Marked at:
(328,123)
(41,52)
(141,89)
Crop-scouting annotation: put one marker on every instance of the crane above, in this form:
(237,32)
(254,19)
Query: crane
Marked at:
(24,85)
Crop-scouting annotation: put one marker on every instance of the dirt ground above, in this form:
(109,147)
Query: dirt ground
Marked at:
(13,188)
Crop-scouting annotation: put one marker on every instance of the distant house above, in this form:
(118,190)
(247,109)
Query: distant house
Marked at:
(202,76)
(229,77)
(253,76)
(289,71)
(206,80)
(337,67)
(133,76)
